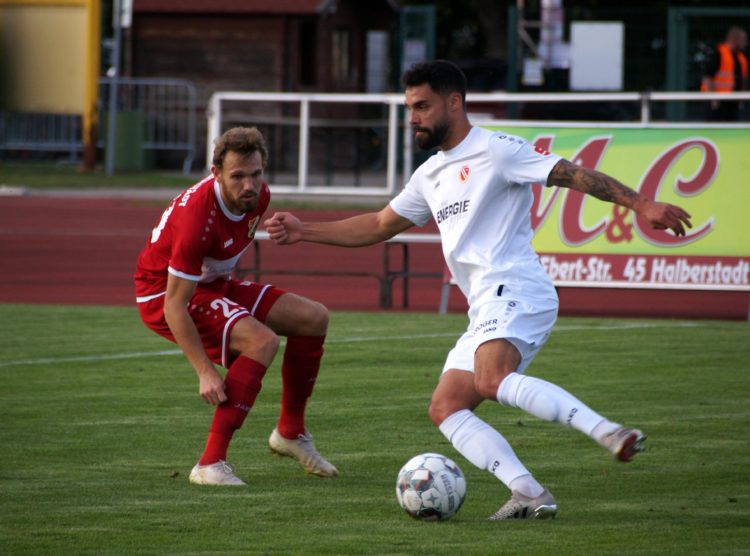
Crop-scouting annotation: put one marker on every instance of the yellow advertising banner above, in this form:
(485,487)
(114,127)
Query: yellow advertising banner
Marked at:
(585,242)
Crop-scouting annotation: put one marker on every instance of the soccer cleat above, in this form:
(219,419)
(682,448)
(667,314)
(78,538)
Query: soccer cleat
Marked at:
(624,443)
(523,507)
(303,450)
(219,473)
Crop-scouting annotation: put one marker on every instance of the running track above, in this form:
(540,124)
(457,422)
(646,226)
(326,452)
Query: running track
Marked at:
(72,250)
(83,251)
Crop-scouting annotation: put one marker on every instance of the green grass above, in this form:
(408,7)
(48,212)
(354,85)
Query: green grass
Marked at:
(46,175)
(97,442)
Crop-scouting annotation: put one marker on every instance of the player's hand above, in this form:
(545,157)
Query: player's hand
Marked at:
(212,387)
(663,215)
(284,228)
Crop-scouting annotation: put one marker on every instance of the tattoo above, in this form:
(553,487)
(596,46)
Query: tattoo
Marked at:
(596,184)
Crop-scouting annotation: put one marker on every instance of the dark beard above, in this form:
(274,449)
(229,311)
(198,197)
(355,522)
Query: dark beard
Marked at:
(432,138)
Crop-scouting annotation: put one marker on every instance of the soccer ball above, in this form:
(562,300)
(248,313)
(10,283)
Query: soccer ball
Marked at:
(430,487)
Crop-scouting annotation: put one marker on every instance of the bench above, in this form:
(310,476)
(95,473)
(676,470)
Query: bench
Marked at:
(385,278)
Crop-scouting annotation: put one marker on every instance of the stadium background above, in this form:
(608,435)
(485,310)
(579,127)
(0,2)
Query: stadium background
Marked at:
(165,40)
(102,422)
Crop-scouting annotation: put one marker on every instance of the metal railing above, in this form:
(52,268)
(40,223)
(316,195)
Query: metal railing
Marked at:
(25,131)
(304,100)
(398,125)
(165,111)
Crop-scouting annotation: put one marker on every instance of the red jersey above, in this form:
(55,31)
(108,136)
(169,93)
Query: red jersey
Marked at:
(197,238)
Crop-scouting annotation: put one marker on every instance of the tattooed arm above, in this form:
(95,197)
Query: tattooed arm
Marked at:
(660,215)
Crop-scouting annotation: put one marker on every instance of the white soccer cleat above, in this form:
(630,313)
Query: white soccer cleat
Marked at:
(624,443)
(523,507)
(219,473)
(303,450)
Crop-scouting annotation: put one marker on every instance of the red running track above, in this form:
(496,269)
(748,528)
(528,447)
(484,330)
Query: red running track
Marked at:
(83,251)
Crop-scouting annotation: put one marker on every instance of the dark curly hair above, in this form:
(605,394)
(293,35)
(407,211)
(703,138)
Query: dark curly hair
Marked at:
(443,77)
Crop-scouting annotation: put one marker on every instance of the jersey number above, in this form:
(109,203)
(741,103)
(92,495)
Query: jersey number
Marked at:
(156,232)
(225,303)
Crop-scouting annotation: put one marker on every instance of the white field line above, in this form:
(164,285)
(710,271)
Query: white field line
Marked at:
(350,340)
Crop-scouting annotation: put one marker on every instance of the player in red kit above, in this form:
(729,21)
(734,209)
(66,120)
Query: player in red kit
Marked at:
(185,293)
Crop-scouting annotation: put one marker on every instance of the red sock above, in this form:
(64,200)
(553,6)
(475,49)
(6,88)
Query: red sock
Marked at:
(242,385)
(298,373)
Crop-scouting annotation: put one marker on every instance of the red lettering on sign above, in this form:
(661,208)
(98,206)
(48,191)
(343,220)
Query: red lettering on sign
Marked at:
(572,230)
(653,182)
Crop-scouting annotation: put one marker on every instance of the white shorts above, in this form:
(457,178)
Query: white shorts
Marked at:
(525,323)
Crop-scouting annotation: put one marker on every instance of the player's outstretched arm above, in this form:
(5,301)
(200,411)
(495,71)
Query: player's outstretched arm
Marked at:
(597,184)
(364,229)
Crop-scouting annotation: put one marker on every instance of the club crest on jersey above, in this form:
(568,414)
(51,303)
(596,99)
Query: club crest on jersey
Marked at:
(463,175)
(251,227)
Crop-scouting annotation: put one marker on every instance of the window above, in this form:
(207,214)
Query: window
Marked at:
(308,63)
(341,55)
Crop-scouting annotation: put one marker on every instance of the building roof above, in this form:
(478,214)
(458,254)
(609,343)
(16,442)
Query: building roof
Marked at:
(292,7)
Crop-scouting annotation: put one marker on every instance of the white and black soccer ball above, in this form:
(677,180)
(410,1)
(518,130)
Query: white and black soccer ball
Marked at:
(430,487)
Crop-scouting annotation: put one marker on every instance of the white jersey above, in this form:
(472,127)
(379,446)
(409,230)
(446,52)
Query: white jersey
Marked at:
(479,193)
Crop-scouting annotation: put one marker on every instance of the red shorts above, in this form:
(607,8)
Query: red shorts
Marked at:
(215,308)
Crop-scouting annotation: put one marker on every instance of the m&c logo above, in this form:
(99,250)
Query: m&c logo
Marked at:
(463,175)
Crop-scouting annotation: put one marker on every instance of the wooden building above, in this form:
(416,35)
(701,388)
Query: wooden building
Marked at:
(264,45)
(272,46)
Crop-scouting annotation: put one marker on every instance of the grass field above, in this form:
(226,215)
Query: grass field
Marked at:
(101,423)
(47,175)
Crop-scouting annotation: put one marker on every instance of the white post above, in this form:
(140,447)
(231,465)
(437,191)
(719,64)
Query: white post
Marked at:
(304,138)
(390,184)
(645,108)
(213,127)
(408,147)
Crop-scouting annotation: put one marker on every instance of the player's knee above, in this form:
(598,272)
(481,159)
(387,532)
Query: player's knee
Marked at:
(319,319)
(313,319)
(440,409)
(435,414)
(268,344)
(262,345)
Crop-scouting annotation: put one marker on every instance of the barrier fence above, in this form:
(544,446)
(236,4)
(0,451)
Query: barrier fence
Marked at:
(295,113)
(160,114)
(152,115)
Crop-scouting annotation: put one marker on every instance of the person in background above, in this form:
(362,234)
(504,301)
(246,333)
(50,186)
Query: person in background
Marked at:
(726,72)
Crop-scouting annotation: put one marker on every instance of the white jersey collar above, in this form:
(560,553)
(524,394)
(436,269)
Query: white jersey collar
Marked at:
(229,214)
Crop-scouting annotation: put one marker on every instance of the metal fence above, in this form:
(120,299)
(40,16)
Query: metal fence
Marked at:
(40,132)
(161,111)
(152,115)
(288,121)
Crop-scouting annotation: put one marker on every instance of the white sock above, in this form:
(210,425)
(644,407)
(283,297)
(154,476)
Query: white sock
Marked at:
(527,486)
(548,402)
(603,429)
(487,449)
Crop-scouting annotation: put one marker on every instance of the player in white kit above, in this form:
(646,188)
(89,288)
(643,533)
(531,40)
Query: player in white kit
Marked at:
(477,188)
